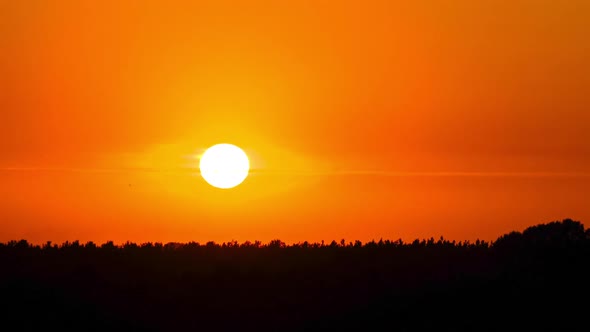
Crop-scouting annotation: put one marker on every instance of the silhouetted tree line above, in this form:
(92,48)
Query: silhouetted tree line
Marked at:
(531,280)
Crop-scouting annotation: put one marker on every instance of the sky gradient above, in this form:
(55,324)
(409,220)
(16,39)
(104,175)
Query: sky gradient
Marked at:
(362,119)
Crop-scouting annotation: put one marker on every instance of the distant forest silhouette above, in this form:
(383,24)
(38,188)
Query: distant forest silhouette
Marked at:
(523,281)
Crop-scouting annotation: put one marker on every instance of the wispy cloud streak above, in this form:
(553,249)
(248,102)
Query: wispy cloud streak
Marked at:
(301,172)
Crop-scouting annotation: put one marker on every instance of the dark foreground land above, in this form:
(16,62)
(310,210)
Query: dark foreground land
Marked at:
(531,281)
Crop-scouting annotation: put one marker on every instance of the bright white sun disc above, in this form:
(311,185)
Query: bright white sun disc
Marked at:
(224,166)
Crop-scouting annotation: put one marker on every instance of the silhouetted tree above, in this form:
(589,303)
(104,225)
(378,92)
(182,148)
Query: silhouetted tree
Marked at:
(529,280)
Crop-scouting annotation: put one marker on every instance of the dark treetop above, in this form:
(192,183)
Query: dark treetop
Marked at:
(534,280)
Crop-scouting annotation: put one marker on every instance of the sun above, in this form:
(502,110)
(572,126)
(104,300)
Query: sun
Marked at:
(224,166)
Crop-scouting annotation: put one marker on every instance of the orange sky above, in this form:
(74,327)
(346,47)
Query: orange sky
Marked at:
(363,119)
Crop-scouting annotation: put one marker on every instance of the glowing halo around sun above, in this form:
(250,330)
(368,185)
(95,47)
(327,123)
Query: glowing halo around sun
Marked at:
(224,166)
